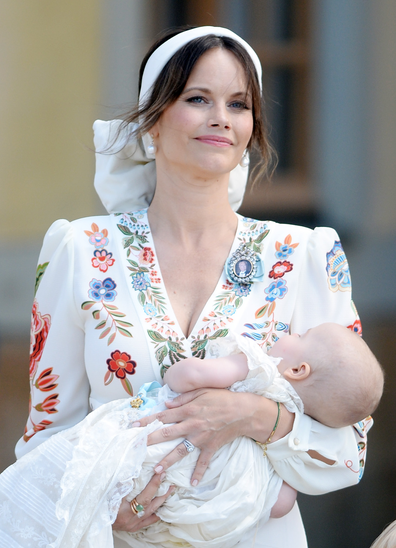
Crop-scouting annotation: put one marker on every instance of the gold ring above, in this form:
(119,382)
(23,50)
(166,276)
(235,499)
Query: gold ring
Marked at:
(137,509)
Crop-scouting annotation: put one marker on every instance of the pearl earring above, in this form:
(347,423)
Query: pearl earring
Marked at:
(151,148)
(245,160)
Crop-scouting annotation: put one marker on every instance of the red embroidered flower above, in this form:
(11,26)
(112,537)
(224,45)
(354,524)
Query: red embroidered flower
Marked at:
(279,269)
(49,404)
(38,335)
(120,363)
(146,256)
(356,327)
(46,380)
(102,260)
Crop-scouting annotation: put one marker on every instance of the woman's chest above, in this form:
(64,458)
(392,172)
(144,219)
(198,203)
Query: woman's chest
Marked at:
(132,331)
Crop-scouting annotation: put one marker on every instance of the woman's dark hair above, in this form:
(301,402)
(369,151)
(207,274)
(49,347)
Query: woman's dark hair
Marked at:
(172,80)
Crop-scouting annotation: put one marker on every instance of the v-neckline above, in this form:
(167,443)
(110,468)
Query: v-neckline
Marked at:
(221,280)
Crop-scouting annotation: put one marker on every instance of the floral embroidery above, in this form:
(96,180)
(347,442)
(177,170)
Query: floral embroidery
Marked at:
(337,268)
(277,290)
(49,404)
(23,531)
(120,364)
(41,268)
(283,251)
(265,332)
(112,323)
(39,329)
(140,281)
(102,260)
(46,380)
(356,327)
(146,256)
(146,282)
(279,269)
(102,291)
(42,425)
(96,237)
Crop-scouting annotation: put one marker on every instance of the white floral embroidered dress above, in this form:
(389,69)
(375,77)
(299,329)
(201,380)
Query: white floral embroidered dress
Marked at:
(102,325)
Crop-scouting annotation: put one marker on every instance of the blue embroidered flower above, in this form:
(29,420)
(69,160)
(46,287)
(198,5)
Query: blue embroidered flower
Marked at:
(229,310)
(284,251)
(140,281)
(150,310)
(242,290)
(277,290)
(337,268)
(102,291)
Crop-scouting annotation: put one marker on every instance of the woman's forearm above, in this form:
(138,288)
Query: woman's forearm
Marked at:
(260,415)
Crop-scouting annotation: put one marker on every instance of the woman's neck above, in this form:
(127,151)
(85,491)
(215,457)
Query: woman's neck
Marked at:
(190,209)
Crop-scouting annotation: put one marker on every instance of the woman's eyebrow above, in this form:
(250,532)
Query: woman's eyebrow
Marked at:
(207,90)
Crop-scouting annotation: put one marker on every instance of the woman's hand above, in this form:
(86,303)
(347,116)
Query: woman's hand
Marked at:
(130,522)
(210,418)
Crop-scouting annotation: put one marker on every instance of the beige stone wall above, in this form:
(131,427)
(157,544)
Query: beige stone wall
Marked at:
(383,106)
(49,92)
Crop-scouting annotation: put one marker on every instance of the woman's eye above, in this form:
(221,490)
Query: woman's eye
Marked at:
(197,100)
(239,105)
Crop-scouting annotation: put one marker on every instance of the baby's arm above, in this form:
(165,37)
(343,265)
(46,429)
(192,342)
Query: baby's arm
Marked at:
(286,499)
(193,373)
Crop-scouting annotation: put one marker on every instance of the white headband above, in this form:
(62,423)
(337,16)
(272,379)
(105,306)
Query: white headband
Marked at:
(125,180)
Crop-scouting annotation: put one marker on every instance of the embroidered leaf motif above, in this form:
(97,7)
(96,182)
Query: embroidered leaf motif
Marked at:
(100,324)
(111,338)
(108,377)
(124,332)
(41,268)
(125,230)
(105,333)
(219,333)
(127,386)
(261,237)
(87,305)
(155,336)
(261,311)
(254,336)
(96,314)
(161,354)
(124,324)
(271,308)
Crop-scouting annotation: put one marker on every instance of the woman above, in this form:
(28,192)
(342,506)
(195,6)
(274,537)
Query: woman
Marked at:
(121,298)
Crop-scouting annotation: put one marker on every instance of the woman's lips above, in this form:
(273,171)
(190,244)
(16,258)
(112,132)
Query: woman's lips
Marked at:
(215,140)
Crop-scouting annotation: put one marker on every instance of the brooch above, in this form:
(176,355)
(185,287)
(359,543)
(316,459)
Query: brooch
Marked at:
(242,266)
(136,402)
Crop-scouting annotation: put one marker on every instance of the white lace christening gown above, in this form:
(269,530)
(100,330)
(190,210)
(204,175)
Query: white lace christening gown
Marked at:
(66,493)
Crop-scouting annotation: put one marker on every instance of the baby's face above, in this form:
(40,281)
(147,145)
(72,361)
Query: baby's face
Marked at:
(295,349)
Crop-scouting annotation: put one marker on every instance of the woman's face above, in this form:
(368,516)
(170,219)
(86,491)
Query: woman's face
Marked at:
(205,132)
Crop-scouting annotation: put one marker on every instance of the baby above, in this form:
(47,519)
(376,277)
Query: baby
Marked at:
(102,459)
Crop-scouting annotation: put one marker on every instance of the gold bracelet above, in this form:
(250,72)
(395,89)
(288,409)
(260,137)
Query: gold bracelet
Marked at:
(264,445)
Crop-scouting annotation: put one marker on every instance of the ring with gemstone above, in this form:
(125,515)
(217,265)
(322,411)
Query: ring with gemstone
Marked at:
(137,509)
(189,446)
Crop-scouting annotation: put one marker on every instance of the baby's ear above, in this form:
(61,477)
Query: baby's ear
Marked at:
(297,373)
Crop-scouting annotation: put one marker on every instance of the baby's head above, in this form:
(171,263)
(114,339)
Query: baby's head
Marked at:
(333,371)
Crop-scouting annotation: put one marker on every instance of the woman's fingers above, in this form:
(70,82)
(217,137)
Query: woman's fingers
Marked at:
(127,520)
(179,452)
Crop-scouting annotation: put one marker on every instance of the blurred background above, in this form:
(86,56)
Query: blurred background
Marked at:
(330,80)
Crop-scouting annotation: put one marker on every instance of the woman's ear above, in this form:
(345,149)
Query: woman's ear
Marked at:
(298,373)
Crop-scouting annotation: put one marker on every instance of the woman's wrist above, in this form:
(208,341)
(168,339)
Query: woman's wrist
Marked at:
(261,415)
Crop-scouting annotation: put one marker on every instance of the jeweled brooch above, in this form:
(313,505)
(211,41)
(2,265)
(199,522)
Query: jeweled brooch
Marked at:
(242,265)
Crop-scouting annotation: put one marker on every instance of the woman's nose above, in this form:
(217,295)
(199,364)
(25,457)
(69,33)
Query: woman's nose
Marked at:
(219,118)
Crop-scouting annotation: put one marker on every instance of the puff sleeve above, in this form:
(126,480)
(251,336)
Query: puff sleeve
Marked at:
(58,380)
(324,295)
